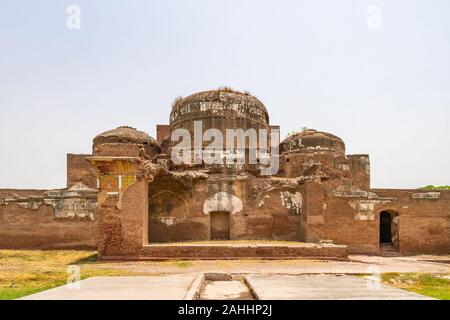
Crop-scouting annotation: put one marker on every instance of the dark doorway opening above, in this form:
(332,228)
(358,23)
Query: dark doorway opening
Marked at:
(220,225)
(385,227)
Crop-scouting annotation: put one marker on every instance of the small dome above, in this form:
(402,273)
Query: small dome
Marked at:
(120,142)
(124,134)
(310,139)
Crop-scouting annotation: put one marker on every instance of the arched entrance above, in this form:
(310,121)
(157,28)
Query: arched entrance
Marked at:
(165,209)
(389,231)
(385,228)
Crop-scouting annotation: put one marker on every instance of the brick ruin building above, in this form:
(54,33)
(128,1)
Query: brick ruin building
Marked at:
(128,197)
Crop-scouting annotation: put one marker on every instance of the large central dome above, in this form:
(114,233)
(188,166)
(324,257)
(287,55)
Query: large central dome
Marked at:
(221,109)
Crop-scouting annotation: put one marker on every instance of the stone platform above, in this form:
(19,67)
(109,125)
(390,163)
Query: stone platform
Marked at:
(222,250)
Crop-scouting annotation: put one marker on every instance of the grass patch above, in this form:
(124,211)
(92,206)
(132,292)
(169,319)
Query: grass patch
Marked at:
(432,285)
(24,272)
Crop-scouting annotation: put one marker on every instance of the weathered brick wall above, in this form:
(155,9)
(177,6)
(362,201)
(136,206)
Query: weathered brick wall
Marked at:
(424,219)
(341,226)
(174,208)
(47,219)
(134,217)
(118,149)
(314,221)
(268,211)
(360,169)
(308,164)
(123,222)
(79,170)
(353,218)
(177,206)
(162,131)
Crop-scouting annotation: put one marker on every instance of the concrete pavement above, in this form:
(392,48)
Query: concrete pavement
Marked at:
(264,286)
(324,287)
(171,287)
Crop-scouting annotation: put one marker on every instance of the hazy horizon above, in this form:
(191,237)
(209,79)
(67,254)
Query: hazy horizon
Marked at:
(316,64)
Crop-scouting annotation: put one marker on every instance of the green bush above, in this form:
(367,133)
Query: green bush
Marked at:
(431,187)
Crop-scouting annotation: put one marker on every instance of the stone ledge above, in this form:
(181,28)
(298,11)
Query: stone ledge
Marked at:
(224,252)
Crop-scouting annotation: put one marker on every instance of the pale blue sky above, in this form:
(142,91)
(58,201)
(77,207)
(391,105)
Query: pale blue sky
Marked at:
(313,64)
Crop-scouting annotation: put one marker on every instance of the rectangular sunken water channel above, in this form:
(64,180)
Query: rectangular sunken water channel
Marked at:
(223,286)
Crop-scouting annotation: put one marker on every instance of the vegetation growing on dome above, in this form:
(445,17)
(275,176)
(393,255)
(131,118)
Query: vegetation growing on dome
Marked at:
(229,89)
(176,100)
(294,132)
(223,89)
(126,127)
(226,89)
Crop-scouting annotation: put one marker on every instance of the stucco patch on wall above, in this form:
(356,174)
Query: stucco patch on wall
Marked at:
(71,208)
(353,192)
(222,201)
(365,163)
(32,203)
(426,195)
(365,209)
(78,201)
(167,220)
(292,201)
(262,202)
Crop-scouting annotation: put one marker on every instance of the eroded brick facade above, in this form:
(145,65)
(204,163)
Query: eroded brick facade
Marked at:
(319,194)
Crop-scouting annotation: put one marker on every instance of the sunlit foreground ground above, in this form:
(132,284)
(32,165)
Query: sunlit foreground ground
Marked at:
(24,272)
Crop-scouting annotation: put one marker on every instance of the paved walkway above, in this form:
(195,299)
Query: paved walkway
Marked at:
(325,287)
(356,265)
(226,290)
(281,279)
(266,287)
(173,287)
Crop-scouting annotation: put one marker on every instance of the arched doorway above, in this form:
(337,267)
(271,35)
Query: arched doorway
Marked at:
(385,228)
(165,209)
(389,232)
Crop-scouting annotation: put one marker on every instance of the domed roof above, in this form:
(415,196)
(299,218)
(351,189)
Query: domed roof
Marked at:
(218,102)
(313,139)
(125,134)
(221,93)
